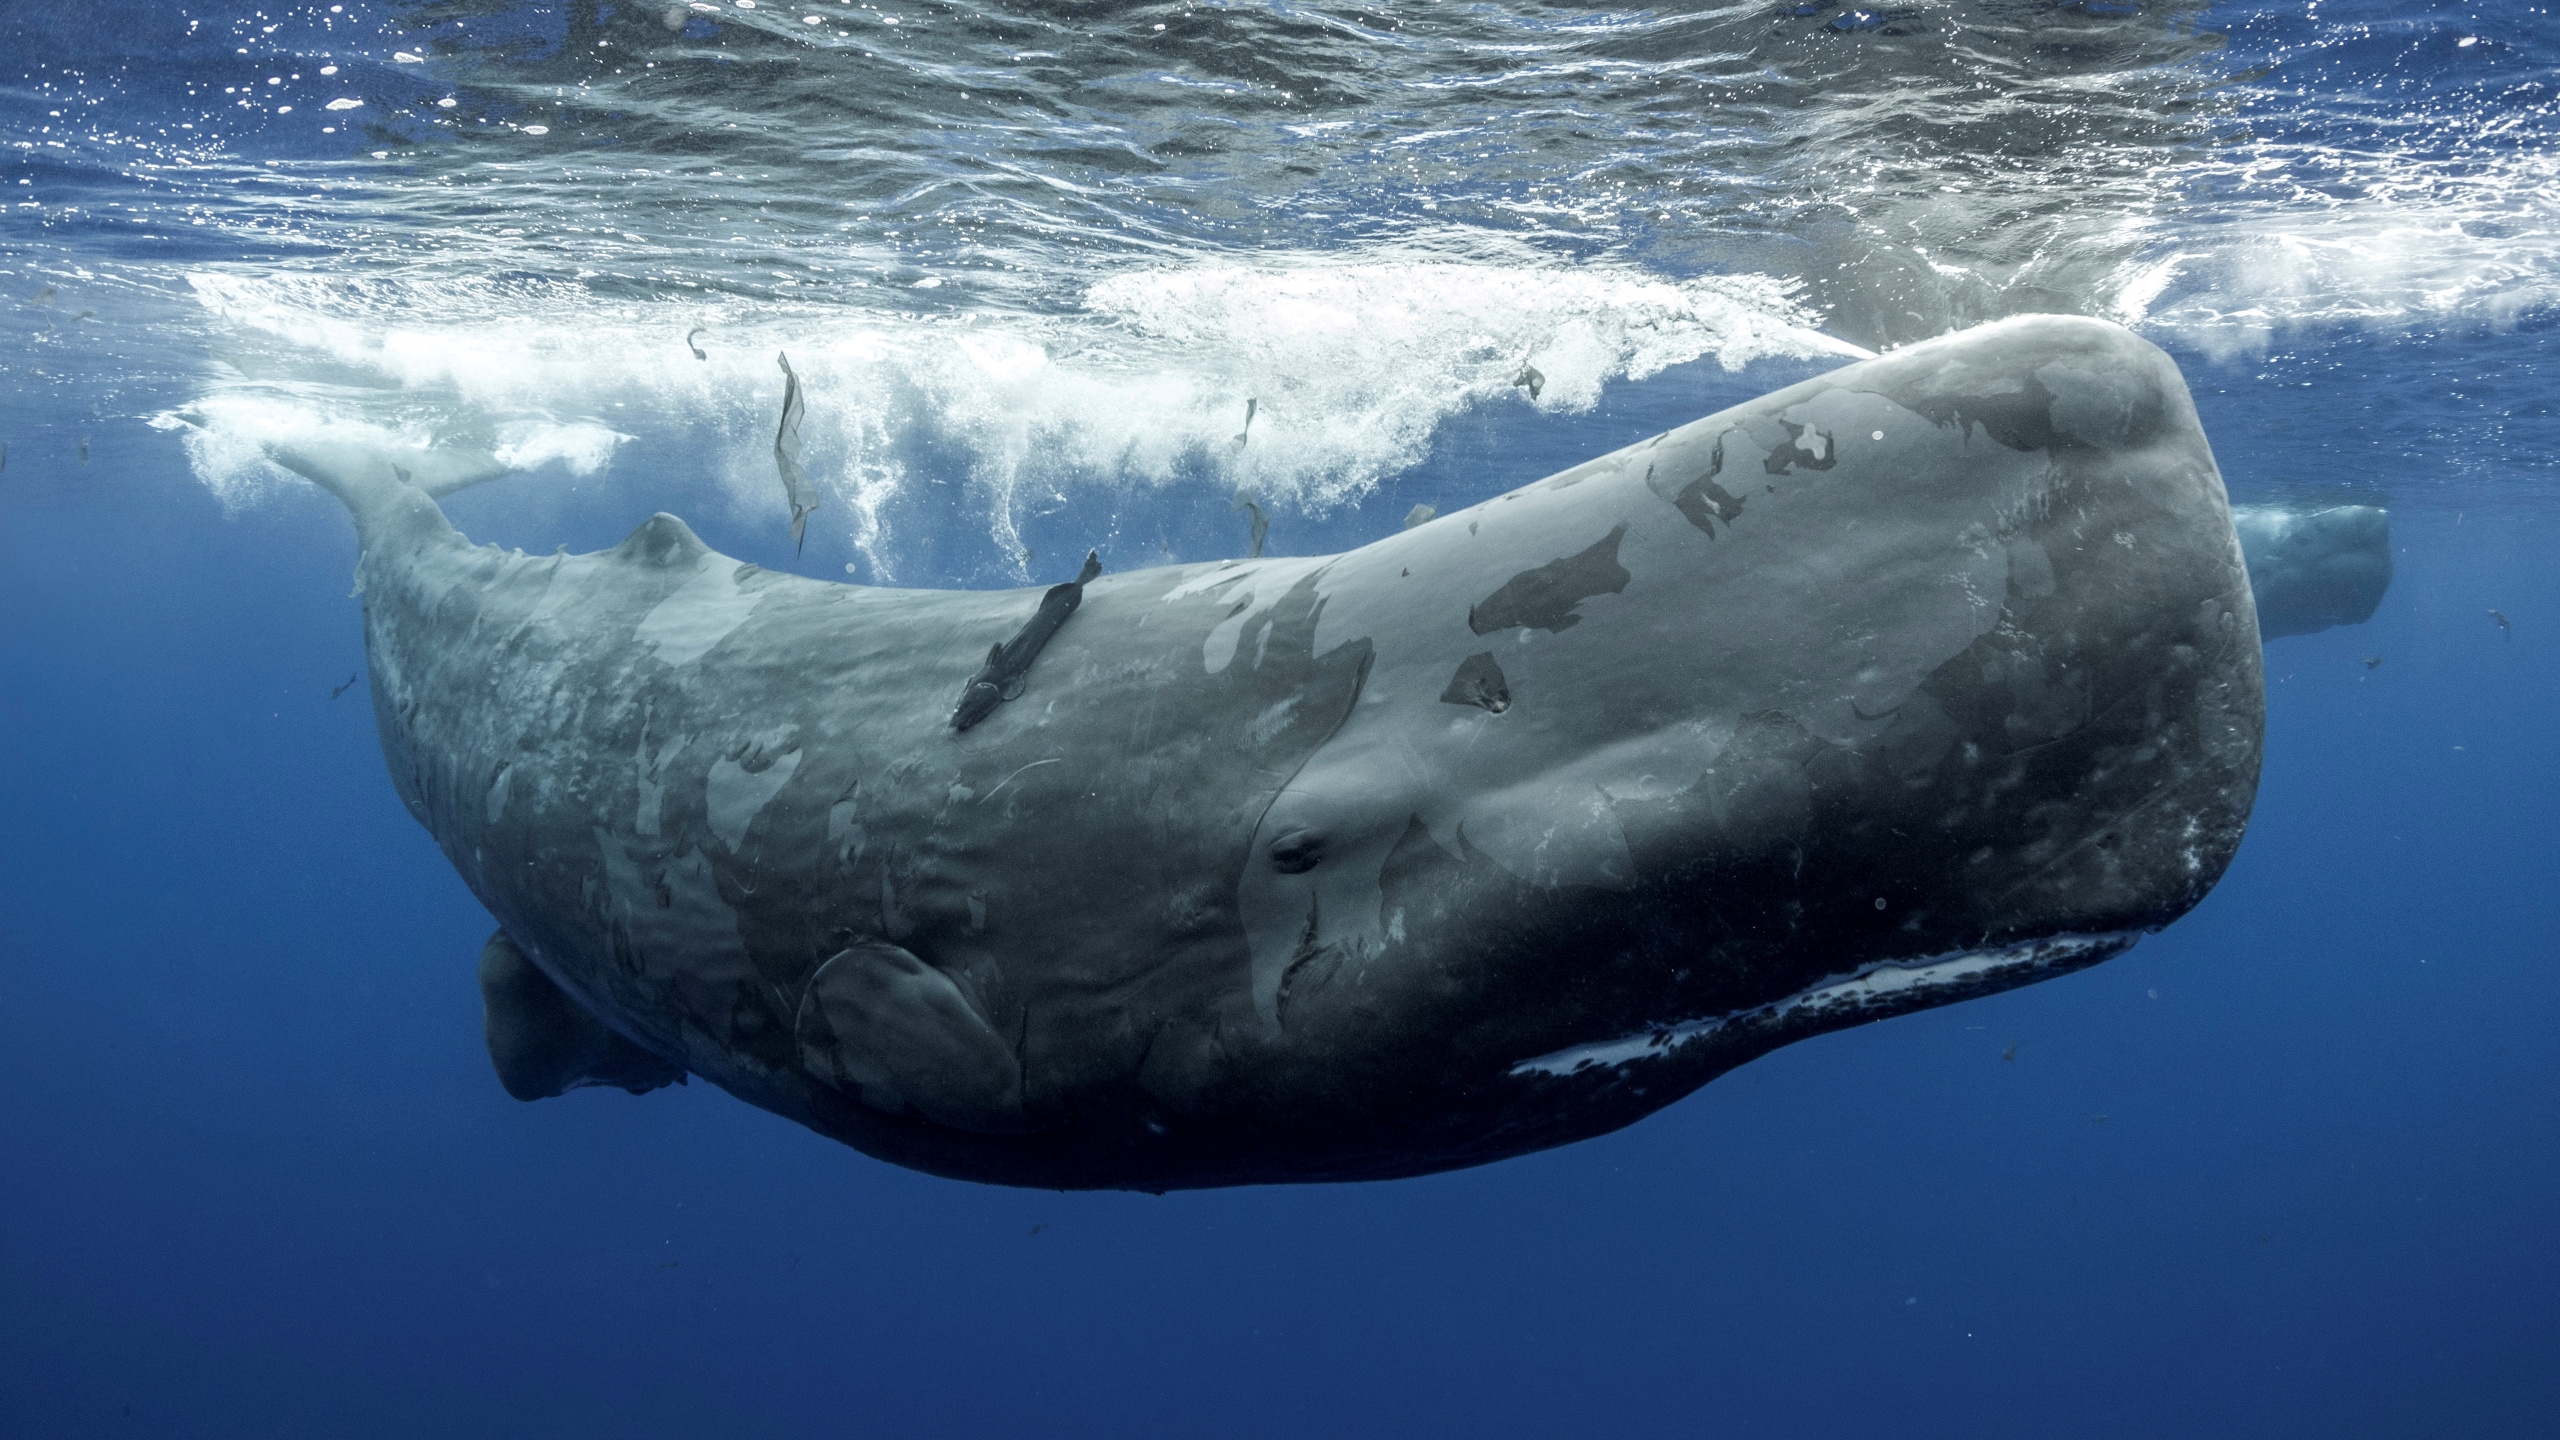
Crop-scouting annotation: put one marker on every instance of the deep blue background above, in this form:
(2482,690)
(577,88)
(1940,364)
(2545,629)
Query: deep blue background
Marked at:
(2285,1170)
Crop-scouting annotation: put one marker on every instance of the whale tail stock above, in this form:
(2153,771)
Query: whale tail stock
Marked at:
(386,486)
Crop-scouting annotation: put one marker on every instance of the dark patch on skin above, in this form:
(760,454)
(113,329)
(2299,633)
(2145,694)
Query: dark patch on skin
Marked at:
(1702,502)
(1296,850)
(1796,453)
(1479,681)
(1009,662)
(1544,598)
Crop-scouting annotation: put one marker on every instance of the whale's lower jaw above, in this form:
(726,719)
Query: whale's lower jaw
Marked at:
(1872,992)
(1539,1103)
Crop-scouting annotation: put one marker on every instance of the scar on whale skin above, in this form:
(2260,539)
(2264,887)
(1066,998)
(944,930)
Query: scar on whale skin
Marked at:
(1009,661)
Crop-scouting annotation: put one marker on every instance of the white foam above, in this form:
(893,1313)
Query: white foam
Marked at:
(1351,364)
(2316,237)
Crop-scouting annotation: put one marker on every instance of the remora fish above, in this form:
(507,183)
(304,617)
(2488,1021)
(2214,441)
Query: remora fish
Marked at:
(1927,678)
(1009,661)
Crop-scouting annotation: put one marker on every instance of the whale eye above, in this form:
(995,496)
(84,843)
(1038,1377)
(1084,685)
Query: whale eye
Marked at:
(1296,851)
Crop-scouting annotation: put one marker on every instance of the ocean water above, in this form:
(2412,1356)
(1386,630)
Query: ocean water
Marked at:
(2287,1169)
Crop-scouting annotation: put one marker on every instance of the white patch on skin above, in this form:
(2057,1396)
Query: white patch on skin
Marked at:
(732,795)
(1263,582)
(700,614)
(1867,986)
(651,764)
(1271,721)
(845,833)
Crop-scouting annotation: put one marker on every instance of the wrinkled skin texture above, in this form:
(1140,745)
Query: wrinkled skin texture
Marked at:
(1929,677)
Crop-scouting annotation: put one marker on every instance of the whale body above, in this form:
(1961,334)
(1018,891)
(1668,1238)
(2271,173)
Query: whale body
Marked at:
(2312,566)
(1926,678)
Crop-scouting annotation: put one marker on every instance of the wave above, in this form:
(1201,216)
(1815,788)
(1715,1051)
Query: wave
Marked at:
(1307,379)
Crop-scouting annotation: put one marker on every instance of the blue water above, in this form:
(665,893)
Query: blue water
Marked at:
(2286,1169)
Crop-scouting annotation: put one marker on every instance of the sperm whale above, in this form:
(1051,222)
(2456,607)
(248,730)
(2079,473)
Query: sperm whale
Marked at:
(1929,677)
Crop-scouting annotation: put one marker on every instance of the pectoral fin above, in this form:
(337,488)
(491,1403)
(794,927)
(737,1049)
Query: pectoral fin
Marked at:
(544,1043)
(882,1026)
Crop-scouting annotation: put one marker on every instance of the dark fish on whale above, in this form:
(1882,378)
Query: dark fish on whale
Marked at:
(1486,837)
(1010,660)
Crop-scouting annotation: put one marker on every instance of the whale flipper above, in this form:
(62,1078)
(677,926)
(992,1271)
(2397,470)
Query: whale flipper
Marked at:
(879,1025)
(544,1043)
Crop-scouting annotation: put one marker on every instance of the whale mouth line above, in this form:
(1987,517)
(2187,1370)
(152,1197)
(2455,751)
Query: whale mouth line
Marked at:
(1888,986)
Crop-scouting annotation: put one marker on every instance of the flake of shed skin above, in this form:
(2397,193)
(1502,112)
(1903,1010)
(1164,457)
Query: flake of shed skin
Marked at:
(1419,514)
(1261,523)
(1544,598)
(796,488)
(1479,681)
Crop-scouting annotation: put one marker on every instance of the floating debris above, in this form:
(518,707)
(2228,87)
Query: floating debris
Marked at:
(2010,1054)
(2501,617)
(1418,514)
(1249,407)
(673,17)
(1530,380)
(2372,660)
(1009,661)
(786,456)
(42,297)
(689,345)
(341,687)
(1036,1229)
(1261,522)
(84,459)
